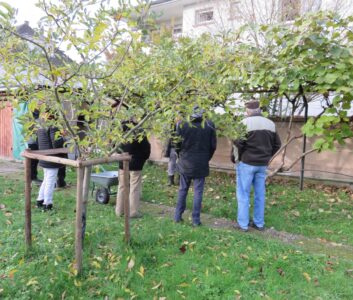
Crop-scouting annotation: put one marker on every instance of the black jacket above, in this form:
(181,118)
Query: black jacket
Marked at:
(46,141)
(140,152)
(261,143)
(196,147)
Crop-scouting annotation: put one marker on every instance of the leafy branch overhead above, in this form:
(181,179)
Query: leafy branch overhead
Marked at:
(116,74)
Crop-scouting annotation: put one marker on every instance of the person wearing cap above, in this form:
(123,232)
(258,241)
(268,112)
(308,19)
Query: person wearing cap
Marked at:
(254,153)
(195,149)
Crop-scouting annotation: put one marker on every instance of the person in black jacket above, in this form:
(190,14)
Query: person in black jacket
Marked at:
(140,152)
(32,144)
(47,140)
(197,145)
(254,153)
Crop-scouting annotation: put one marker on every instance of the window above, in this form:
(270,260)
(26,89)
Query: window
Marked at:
(204,16)
(234,11)
(290,9)
(177,30)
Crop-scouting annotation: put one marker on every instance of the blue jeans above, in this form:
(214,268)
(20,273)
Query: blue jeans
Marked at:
(184,185)
(248,176)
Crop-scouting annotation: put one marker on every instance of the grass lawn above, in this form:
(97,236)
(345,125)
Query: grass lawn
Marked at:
(317,212)
(167,260)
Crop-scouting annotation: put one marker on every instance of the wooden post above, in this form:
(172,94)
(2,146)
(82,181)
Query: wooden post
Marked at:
(86,181)
(28,223)
(79,209)
(126,179)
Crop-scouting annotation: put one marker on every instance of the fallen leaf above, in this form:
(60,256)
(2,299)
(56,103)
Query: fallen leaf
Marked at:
(182,249)
(32,281)
(12,273)
(96,264)
(131,264)
(141,272)
(2,206)
(184,284)
(77,283)
(296,213)
(244,256)
(157,286)
(316,281)
(280,271)
(307,277)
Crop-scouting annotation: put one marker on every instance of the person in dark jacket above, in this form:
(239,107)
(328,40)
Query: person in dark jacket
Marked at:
(254,153)
(32,144)
(197,145)
(47,140)
(140,152)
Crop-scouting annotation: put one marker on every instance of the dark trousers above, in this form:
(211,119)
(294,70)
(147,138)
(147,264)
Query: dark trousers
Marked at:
(184,185)
(61,177)
(34,162)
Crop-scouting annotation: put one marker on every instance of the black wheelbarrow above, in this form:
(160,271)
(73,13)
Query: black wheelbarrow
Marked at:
(104,180)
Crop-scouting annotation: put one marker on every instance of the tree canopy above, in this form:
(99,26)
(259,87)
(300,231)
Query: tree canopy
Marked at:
(154,81)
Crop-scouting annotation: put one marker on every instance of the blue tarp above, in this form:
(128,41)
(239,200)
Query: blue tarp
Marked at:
(17,135)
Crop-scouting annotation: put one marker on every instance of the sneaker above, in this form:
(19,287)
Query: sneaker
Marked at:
(39,203)
(47,207)
(179,220)
(237,227)
(253,225)
(196,224)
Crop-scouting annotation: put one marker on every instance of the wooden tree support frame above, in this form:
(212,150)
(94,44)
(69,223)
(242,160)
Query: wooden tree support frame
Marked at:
(83,168)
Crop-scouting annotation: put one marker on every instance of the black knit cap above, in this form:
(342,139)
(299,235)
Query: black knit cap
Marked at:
(253,104)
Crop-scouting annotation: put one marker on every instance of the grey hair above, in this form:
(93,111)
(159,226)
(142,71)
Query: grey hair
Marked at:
(252,112)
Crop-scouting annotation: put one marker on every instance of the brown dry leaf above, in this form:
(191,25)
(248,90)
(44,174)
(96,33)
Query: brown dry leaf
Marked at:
(307,277)
(244,256)
(182,249)
(280,271)
(8,214)
(12,273)
(316,281)
(332,200)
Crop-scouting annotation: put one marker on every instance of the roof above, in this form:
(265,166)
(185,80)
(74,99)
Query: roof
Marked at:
(58,58)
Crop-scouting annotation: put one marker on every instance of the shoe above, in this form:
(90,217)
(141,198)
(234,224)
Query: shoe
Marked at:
(40,203)
(37,181)
(237,227)
(170,180)
(47,207)
(136,216)
(61,185)
(179,220)
(196,224)
(253,225)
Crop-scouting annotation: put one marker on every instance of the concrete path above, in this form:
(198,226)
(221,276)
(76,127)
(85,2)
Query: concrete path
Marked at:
(10,167)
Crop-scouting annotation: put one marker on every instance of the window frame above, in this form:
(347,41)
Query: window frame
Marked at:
(198,12)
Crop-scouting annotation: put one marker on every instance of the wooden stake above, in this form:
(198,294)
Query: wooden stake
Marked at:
(79,209)
(86,181)
(126,179)
(28,217)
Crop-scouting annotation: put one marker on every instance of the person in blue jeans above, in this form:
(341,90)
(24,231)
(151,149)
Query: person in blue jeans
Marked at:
(197,145)
(254,152)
